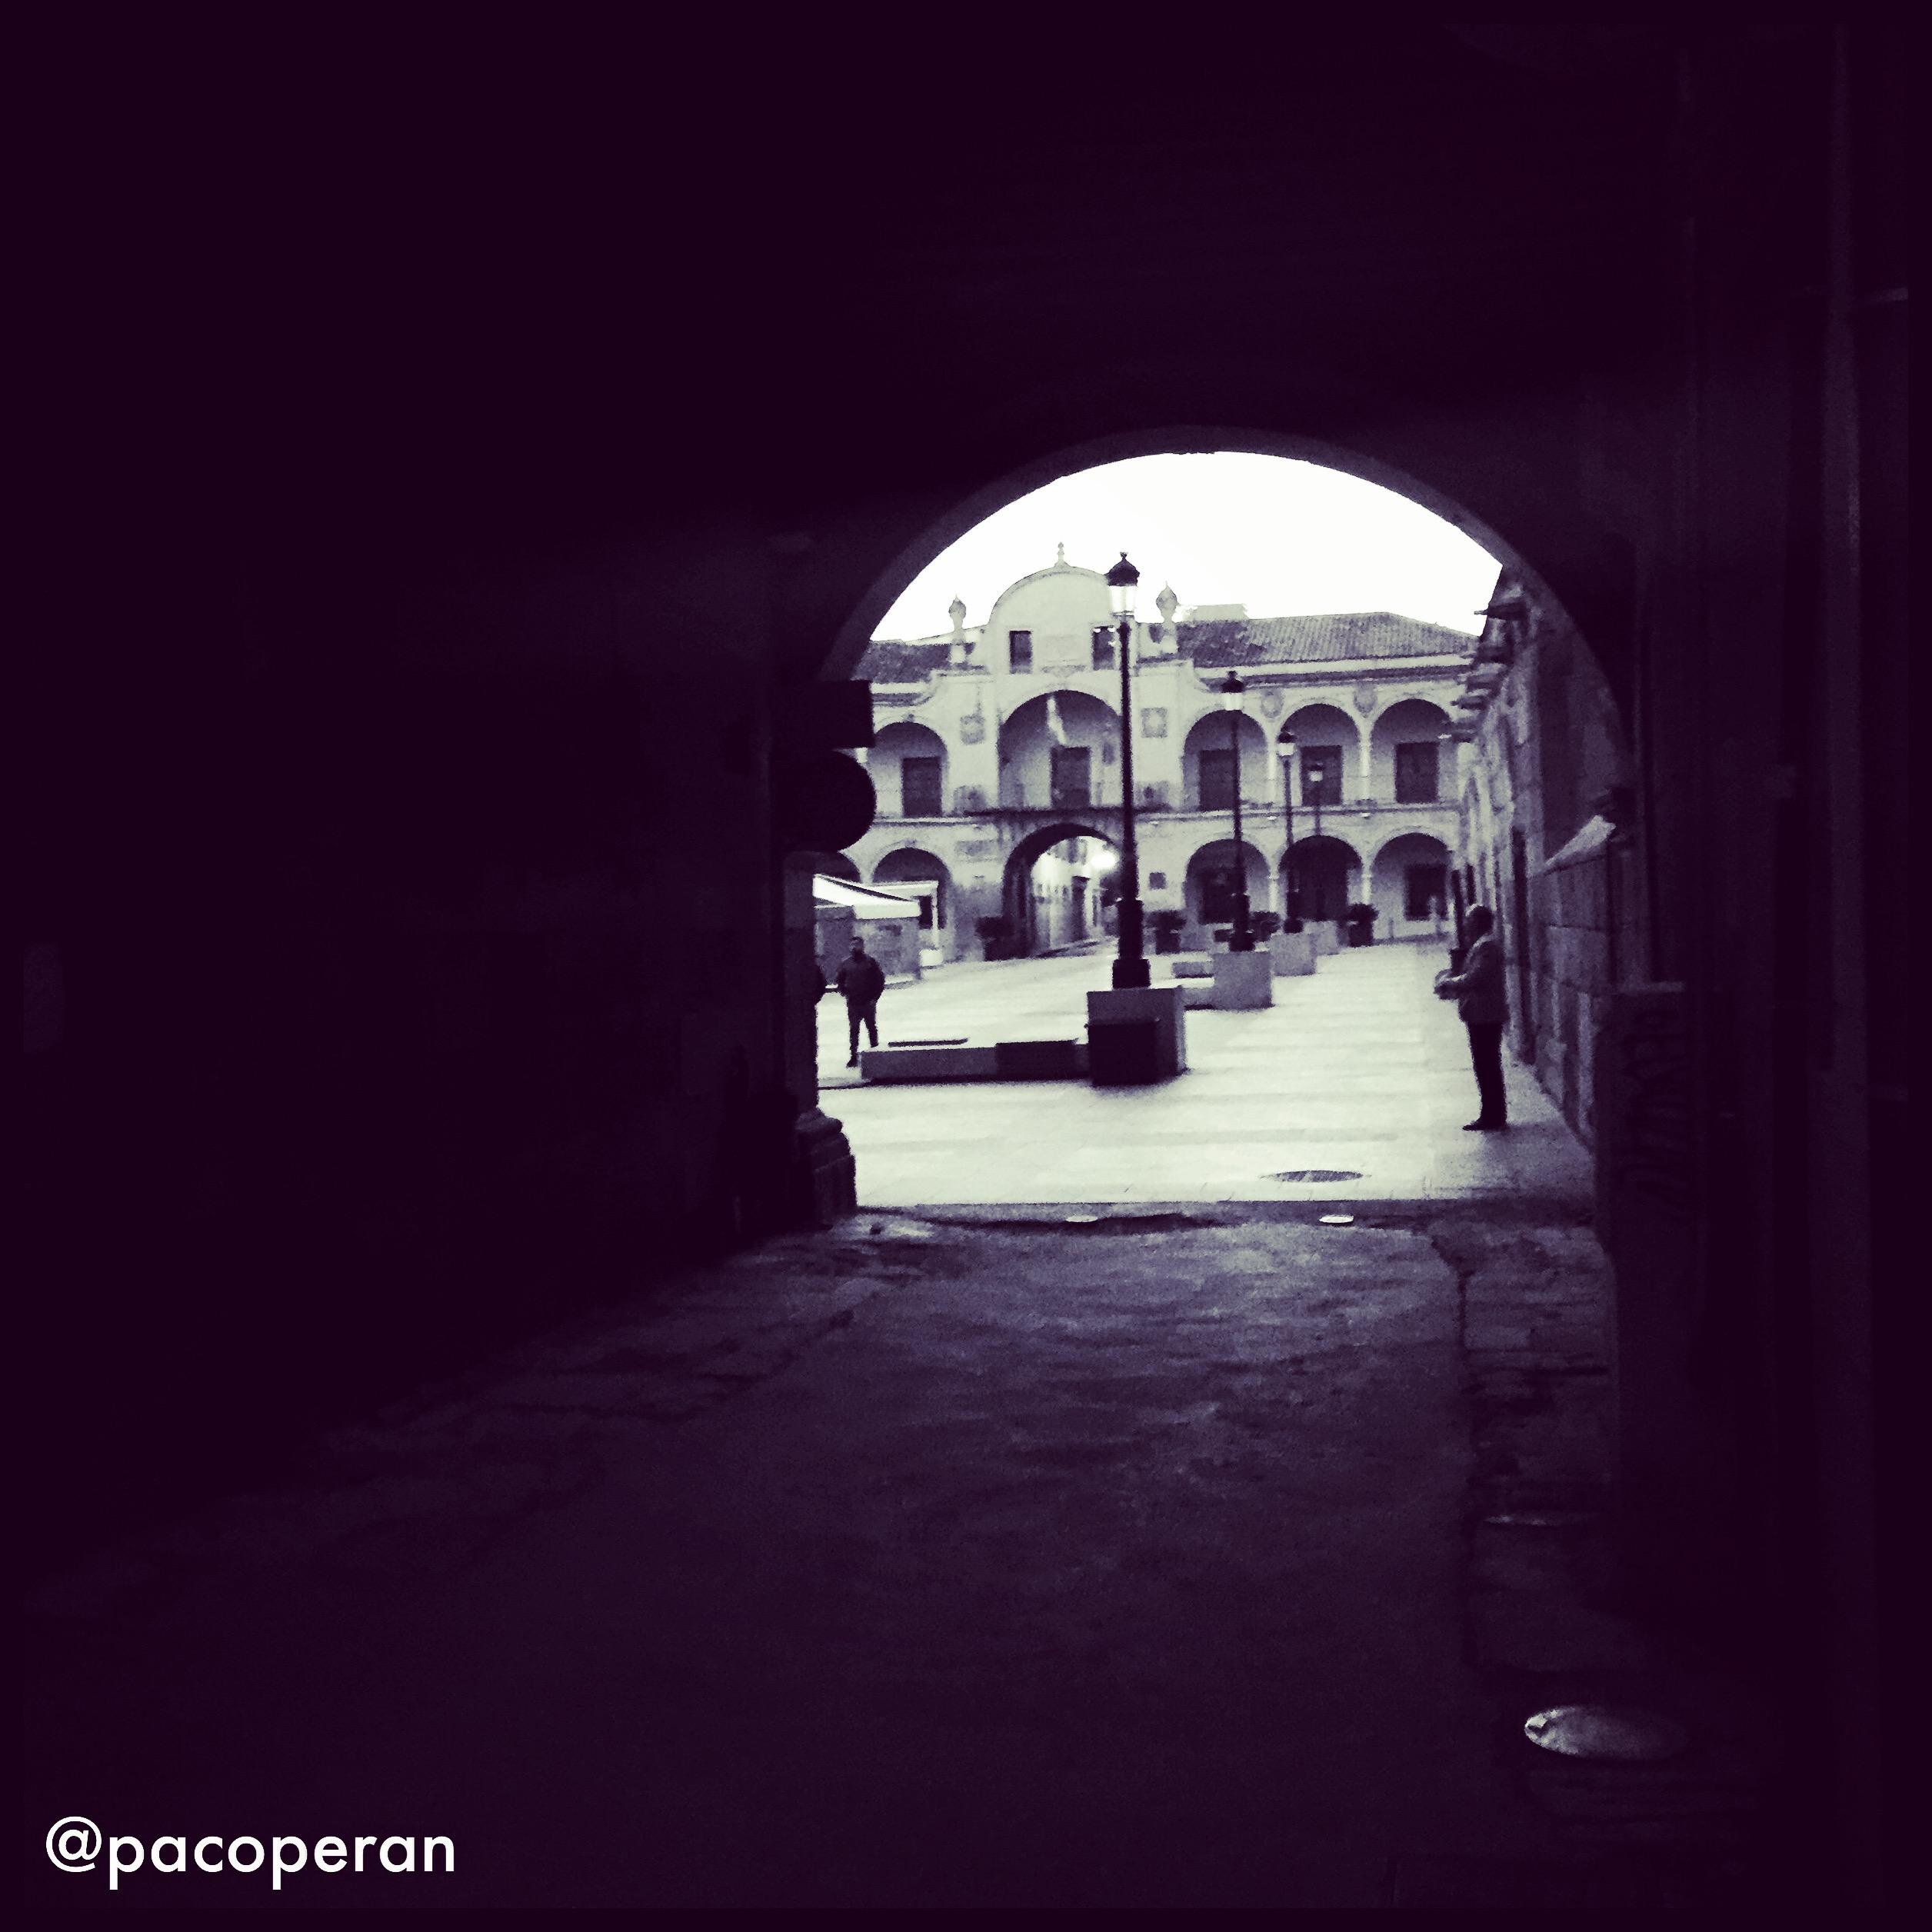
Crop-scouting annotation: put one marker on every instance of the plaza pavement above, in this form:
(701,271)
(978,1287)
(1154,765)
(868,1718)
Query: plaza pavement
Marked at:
(1359,1069)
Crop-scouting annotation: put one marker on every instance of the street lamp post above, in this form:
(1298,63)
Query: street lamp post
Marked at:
(1292,920)
(1446,745)
(1316,780)
(1130,965)
(1232,693)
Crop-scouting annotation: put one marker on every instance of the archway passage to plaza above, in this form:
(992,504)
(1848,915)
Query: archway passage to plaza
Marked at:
(1350,743)
(1061,889)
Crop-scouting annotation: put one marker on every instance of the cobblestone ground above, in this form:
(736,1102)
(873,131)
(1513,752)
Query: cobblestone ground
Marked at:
(1129,1563)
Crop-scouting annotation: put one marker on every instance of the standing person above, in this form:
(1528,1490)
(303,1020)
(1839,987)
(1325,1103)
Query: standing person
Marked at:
(861,981)
(1482,999)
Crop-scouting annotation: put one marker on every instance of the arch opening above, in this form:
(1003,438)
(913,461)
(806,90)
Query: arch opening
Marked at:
(1370,766)
(1060,750)
(1061,889)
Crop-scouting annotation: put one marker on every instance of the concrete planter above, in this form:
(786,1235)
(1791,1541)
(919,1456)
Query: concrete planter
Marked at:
(1293,953)
(1327,936)
(1243,981)
(1152,1043)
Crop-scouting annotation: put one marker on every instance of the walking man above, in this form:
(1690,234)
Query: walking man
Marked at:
(1482,999)
(861,981)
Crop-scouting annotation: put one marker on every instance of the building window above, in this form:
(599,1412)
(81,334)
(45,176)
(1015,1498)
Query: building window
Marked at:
(1157,881)
(1415,774)
(919,787)
(1103,647)
(1424,889)
(1216,780)
(1320,774)
(1019,650)
(1072,785)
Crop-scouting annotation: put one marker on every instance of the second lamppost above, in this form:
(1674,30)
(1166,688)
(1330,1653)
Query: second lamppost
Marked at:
(1291,921)
(1232,693)
(1130,963)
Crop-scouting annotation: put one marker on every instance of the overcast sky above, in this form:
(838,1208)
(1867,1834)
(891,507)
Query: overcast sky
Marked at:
(1283,538)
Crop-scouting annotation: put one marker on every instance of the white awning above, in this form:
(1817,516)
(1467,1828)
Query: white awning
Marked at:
(866,899)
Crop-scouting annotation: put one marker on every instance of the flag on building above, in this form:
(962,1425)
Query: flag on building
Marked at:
(1057,730)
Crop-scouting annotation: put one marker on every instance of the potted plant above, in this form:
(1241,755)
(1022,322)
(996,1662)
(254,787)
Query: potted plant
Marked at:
(1360,920)
(1264,926)
(996,937)
(1167,925)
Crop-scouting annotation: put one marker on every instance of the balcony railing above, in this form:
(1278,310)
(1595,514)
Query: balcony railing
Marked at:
(969,801)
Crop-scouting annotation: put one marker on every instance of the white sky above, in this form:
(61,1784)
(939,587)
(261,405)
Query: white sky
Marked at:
(1285,538)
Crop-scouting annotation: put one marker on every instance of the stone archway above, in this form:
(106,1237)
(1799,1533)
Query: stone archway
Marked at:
(1210,883)
(1059,748)
(1208,762)
(927,878)
(832,865)
(908,764)
(1327,757)
(1449,475)
(1328,875)
(1074,911)
(1409,886)
(1408,765)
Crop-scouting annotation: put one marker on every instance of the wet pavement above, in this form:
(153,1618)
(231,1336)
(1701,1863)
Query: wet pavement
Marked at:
(1134,1563)
(1357,1071)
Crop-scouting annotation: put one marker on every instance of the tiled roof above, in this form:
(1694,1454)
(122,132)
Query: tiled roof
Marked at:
(1337,635)
(1216,643)
(886,662)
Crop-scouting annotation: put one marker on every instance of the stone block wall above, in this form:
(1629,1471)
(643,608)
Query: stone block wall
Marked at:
(1582,947)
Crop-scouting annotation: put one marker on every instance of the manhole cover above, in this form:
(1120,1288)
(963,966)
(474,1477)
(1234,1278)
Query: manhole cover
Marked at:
(1314,1174)
(1604,1731)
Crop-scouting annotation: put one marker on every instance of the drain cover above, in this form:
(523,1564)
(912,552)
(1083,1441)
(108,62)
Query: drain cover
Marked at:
(1605,1731)
(1314,1174)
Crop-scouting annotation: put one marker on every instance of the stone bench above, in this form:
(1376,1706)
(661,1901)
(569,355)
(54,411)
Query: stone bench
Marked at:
(1007,1059)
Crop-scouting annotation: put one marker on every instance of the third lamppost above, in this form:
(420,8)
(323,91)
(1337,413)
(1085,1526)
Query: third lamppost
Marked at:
(1232,693)
(1291,919)
(1129,965)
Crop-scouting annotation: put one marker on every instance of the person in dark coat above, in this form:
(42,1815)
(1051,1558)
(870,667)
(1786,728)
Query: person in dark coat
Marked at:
(1482,998)
(861,979)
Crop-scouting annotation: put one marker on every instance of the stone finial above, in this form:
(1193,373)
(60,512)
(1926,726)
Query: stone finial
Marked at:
(1167,603)
(1059,555)
(957,611)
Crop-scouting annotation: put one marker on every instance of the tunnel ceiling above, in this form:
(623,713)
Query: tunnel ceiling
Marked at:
(546,283)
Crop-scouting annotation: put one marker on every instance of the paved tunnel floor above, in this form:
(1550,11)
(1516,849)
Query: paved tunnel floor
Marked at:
(914,1565)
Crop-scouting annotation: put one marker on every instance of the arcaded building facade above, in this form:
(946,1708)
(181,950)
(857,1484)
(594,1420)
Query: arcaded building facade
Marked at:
(997,763)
